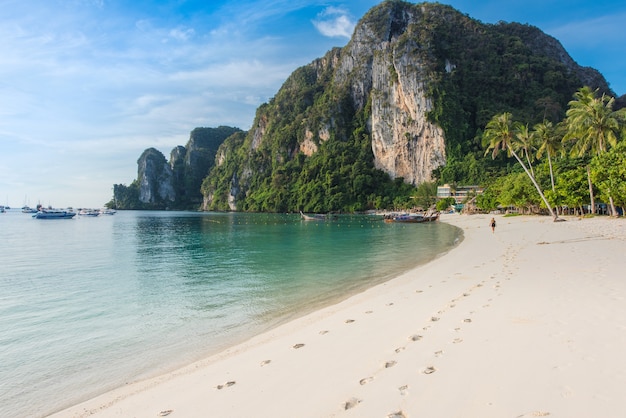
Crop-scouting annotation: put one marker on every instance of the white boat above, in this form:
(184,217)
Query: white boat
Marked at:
(28,209)
(317,217)
(54,214)
(107,211)
(89,212)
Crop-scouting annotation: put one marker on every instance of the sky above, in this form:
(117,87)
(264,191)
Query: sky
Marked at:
(87,85)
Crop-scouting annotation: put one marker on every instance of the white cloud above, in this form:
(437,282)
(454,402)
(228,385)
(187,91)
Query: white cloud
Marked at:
(599,31)
(334,22)
(181,34)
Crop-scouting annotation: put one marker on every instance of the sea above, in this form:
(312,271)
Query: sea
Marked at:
(90,304)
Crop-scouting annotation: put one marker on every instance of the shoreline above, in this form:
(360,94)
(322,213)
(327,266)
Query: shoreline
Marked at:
(527,321)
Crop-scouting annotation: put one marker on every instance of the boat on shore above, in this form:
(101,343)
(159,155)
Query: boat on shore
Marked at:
(54,214)
(414,218)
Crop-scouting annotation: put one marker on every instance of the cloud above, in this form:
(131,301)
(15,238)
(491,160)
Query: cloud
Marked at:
(599,31)
(181,34)
(334,22)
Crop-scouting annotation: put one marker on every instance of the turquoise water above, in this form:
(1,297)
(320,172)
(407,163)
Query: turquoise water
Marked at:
(89,304)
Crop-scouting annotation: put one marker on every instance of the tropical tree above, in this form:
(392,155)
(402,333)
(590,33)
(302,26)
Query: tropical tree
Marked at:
(524,143)
(608,171)
(549,144)
(592,127)
(570,187)
(518,191)
(499,136)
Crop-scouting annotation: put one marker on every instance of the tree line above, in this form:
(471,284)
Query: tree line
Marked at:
(563,166)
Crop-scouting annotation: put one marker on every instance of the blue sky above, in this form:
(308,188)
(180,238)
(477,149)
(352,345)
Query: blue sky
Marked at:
(87,85)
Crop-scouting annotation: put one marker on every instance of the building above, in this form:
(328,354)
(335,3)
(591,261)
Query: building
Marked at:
(459,193)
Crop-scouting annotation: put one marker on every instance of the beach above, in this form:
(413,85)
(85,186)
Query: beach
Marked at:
(526,321)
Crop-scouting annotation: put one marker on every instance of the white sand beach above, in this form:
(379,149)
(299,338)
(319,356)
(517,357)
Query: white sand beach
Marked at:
(528,321)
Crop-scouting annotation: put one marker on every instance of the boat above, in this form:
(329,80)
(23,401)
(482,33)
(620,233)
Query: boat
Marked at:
(2,209)
(54,214)
(89,212)
(316,217)
(107,211)
(28,209)
(415,218)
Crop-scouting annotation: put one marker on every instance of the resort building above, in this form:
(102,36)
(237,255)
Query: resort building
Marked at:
(459,193)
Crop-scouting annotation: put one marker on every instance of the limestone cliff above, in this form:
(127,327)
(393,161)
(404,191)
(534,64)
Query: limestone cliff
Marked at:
(380,66)
(175,184)
(154,176)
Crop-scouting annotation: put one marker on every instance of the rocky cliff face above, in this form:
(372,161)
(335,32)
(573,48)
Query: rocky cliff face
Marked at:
(175,184)
(380,66)
(154,176)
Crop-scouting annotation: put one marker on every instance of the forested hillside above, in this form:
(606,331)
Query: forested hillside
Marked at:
(313,146)
(415,99)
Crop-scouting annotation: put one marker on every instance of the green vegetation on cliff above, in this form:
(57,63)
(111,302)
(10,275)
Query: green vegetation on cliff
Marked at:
(474,71)
(311,146)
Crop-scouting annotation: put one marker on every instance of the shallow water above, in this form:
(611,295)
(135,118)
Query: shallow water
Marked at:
(89,304)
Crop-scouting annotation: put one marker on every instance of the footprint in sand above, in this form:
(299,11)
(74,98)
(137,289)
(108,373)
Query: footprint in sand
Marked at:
(400,349)
(365,381)
(369,312)
(351,403)
(415,337)
(439,353)
(534,414)
(429,370)
(403,389)
(390,364)
(226,385)
(265,362)
(323,332)
(398,414)
(165,413)
(457,340)
(299,345)
(349,321)
(434,318)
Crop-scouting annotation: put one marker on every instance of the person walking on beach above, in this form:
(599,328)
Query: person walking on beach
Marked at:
(492,224)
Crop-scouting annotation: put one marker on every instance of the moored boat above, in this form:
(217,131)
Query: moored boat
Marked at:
(54,214)
(89,212)
(317,217)
(415,218)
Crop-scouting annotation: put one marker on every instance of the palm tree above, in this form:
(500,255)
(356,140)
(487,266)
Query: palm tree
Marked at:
(592,125)
(500,136)
(524,143)
(549,143)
